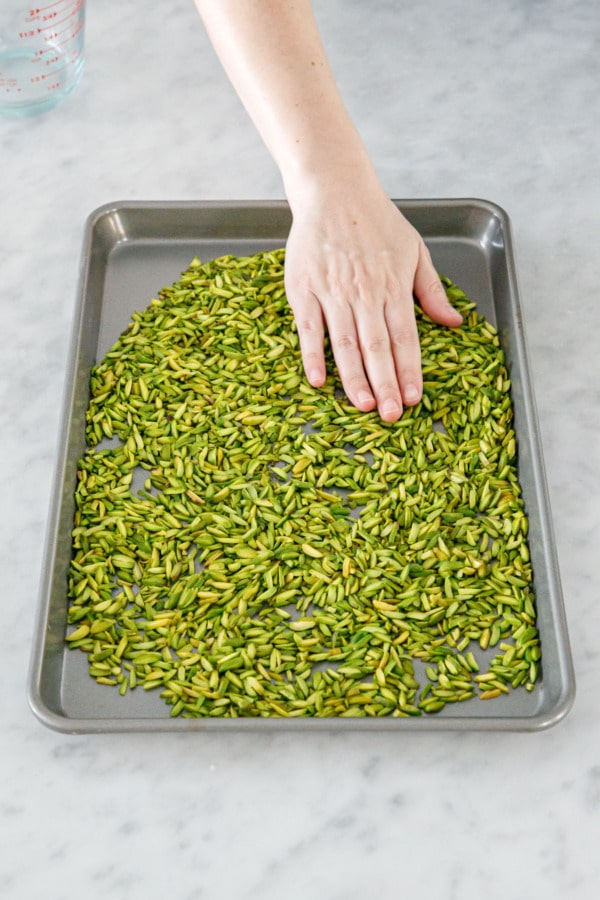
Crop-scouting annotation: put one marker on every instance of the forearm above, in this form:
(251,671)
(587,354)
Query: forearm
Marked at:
(273,55)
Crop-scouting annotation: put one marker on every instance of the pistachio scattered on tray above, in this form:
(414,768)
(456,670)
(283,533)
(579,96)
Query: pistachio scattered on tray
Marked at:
(252,546)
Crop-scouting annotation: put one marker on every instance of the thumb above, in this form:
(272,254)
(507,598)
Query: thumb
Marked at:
(430,292)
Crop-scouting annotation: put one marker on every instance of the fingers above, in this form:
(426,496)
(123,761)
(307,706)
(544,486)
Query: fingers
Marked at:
(430,292)
(377,353)
(379,362)
(378,357)
(309,322)
(374,338)
(405,349)
(348,355)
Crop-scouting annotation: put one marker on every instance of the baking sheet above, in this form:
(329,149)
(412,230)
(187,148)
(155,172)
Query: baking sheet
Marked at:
(130,251)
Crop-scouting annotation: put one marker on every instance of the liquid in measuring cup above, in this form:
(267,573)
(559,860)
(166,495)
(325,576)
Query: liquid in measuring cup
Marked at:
(41,54)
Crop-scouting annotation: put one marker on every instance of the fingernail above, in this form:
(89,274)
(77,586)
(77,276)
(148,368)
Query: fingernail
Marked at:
(365,397)
(390,407)
(316,377)
(411,393)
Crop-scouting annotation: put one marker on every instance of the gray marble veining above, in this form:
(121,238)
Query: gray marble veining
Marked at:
(453,99)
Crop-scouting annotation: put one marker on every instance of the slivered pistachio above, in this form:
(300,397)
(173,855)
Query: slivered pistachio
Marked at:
(287,554)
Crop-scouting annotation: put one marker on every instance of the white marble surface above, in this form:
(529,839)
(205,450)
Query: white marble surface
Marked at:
(454,99)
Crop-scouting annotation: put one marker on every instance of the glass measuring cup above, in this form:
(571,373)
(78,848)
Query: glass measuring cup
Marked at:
(41,54)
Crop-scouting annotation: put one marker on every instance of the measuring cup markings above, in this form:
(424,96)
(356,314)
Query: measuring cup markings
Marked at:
(40,12)
(49,33)
(70,11)
(41,54)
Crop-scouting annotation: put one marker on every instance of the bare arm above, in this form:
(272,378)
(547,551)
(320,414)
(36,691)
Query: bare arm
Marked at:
(352,260)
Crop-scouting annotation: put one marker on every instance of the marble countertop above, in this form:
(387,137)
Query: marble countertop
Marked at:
(454,99)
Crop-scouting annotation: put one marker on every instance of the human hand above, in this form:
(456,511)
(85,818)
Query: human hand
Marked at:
(353,263)
(352,260)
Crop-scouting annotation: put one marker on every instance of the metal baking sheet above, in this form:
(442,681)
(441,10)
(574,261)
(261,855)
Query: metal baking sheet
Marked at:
(130,251)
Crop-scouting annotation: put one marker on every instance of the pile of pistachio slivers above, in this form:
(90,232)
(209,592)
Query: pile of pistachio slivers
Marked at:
(248,545)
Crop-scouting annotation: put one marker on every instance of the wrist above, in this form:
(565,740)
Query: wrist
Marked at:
(329,175)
